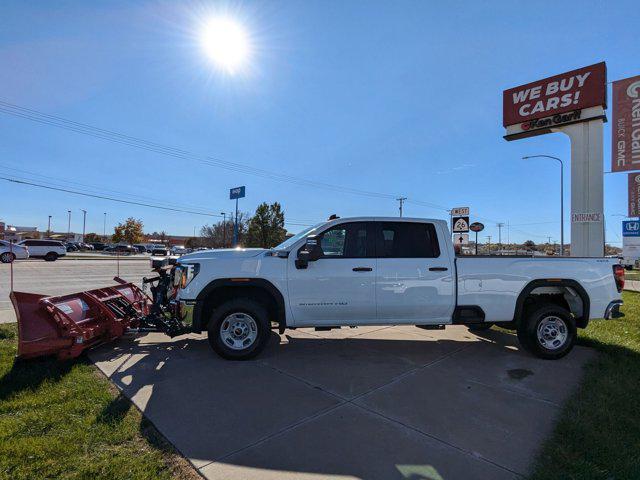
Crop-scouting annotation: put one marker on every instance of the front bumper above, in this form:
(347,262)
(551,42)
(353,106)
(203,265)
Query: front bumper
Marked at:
(613,310)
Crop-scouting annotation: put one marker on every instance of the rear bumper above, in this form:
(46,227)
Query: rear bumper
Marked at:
(613,310)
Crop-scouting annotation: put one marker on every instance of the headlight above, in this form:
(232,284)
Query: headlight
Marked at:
(187,272)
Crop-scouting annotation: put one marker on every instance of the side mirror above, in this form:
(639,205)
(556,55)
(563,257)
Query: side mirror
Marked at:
(310,253)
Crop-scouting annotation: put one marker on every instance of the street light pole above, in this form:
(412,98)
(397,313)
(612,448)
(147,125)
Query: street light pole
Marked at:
(49,227)
(104,227)
(84,223)
(69,225)
(561,196)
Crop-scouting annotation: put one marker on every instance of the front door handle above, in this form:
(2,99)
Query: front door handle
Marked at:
(438,269)
(362,269)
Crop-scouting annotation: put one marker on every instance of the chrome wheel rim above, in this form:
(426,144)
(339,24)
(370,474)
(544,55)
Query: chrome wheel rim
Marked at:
(238,331)
(552,332)
(6,257)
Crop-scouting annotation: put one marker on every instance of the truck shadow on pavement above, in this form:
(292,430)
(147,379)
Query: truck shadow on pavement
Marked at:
(392,402)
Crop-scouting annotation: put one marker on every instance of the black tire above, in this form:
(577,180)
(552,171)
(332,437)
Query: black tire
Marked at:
(480,327)
(560,328)
(7,257)
(242,311)
(51,257)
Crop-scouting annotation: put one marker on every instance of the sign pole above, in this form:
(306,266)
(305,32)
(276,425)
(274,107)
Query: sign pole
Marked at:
(476,243)
(235,227)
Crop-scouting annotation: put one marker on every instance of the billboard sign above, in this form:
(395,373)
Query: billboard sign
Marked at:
(625,148)
(633,180)
(476,227)
(570,97)
(631,228)
(237,192)
(460,224)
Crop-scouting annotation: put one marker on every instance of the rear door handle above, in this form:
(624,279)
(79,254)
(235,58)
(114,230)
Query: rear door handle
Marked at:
(438,269)
(362,269)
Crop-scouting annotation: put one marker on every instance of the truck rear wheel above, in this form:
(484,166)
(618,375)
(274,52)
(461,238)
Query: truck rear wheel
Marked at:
(239,329)
(548,331)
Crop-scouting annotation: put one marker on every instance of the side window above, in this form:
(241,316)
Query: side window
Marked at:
(28,243)
(350,240)
(407,240)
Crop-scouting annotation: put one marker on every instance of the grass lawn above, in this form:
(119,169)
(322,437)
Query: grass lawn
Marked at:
(64,420)
(598,435)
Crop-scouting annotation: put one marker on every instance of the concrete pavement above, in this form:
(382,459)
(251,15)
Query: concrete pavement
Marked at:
(368,403)
(62,277)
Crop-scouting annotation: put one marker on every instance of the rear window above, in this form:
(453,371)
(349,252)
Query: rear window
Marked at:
(407,240)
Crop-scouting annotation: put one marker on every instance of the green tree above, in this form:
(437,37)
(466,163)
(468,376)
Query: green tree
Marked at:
(266,227)
(220,235)
(130,231)
(529,245)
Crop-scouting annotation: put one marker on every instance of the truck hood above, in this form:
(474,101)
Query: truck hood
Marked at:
(224,253)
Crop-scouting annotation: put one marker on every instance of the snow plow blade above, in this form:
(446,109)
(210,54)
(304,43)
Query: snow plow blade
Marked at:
(67,325)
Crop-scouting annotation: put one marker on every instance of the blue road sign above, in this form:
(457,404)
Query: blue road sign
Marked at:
(631,228)
(237,192)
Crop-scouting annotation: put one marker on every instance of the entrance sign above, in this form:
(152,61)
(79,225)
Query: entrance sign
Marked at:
(460,212)
(235,193)
(572,103)
(634,195)
(593,217)
(625,138)
(567,98)
(460,224)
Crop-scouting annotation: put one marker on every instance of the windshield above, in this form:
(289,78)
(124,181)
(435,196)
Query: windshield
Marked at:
(290,241)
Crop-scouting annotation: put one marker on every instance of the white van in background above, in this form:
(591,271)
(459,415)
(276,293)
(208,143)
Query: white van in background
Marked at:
(50,250)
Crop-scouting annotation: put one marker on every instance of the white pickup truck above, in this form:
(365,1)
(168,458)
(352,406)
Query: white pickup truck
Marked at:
(388,271)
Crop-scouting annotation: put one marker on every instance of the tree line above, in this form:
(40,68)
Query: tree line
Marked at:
(265,229)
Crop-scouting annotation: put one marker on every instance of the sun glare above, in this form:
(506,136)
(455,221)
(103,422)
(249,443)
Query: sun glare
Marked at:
(226,43)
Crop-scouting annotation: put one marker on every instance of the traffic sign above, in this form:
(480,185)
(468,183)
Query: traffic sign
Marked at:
(237,192)
(460,212)
(460,224)
(476,227)
(461,239)
(631,228)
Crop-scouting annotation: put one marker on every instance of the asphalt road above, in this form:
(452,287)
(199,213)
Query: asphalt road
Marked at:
(64,276)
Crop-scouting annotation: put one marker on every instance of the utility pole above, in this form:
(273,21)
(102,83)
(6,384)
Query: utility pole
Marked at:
(499,225)
(49,227)
(224,229)
(489,244)
(84,223)
(69,225)
(549,240)
(401,200)
(104,228)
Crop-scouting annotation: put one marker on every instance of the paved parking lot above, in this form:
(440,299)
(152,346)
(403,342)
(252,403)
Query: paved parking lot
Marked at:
(367,403)
(64,276)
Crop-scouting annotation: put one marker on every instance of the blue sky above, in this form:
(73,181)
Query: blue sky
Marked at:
(399,98)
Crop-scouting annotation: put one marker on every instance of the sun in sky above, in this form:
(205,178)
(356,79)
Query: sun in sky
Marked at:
(226,42)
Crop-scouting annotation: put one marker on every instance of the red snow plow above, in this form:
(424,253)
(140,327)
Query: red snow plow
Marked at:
(67,325)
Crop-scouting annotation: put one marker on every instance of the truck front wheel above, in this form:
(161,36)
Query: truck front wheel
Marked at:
(548,331)
(239,329)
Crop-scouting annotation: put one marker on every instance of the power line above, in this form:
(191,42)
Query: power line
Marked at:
(104,197)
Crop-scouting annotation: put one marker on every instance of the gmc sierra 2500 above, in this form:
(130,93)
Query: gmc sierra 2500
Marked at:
(388,271)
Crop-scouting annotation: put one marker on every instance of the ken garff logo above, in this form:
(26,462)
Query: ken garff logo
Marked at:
(633,90)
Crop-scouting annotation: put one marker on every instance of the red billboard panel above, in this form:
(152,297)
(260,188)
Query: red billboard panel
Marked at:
(625,151)
(634,195)
(568,92)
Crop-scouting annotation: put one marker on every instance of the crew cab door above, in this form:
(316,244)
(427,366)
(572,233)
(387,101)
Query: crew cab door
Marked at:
(339,287)
(415,281)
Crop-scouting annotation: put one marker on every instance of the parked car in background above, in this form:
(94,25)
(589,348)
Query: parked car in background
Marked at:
(9,252)
(160,251)
(179,250)
(99,246)
(71,247)
(140,248)
(121,249)
(50,250)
